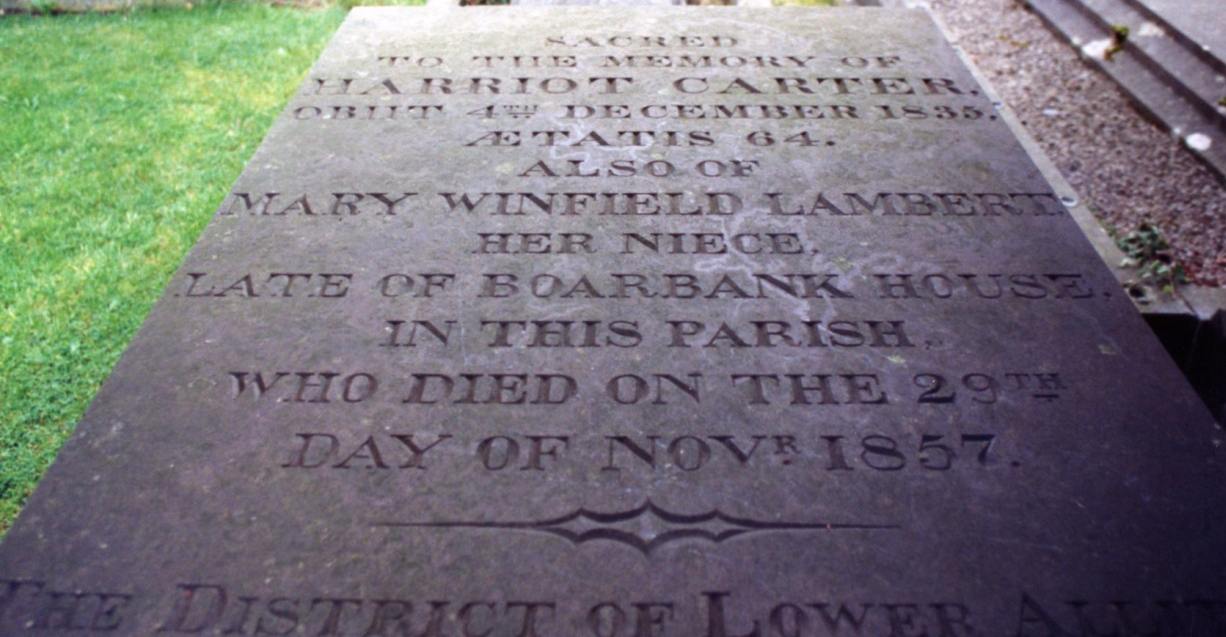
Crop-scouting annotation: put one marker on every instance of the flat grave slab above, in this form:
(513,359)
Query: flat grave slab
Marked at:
(583,321)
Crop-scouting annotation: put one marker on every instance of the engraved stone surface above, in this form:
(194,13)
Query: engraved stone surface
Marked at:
(582,321)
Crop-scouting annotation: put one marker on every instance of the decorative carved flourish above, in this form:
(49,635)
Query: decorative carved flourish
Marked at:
(645,528)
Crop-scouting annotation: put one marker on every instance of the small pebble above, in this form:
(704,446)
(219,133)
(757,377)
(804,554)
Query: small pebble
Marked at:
(1199,142)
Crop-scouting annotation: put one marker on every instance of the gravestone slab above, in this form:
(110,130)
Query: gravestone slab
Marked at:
(582,321)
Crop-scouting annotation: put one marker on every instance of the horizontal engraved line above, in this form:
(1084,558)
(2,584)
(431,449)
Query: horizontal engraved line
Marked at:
(714,526)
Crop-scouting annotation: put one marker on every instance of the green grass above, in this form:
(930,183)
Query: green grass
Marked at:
(121,134)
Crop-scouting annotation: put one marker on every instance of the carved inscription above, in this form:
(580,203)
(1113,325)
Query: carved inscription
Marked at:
(198,608)
(557,269)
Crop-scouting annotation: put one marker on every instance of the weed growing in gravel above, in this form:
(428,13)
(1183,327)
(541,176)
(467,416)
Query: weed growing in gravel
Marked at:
(1147,250)
(1119,35)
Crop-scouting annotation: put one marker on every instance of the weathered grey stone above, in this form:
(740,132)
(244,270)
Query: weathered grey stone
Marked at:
(1200,21)
(928,412)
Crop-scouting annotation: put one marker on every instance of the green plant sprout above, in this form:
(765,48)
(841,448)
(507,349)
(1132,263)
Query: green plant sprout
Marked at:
(1147,250)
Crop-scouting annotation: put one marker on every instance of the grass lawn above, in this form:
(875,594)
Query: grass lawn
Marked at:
(121,134)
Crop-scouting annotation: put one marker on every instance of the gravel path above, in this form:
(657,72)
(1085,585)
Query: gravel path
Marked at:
(1126,167)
